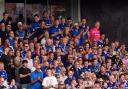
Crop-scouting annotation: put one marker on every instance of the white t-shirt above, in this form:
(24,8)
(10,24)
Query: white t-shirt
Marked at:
(50,81)
(62,78)
(30,63)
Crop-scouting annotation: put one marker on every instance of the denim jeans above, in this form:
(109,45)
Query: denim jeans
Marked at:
(25,86)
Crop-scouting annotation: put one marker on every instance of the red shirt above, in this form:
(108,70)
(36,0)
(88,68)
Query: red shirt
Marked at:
(94,34)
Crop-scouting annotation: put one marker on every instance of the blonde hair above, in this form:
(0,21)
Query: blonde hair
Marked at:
(2,65)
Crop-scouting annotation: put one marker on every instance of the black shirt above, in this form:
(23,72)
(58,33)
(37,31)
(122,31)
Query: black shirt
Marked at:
(5,59)
(103,76)
(40,33)
(3,35)
(24,71)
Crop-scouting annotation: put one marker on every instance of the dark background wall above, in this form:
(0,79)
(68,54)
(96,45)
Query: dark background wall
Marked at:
(112,14)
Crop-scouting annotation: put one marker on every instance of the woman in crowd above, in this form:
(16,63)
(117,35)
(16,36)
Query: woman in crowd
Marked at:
(78,57)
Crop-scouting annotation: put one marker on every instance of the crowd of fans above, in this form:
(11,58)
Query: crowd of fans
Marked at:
(53,53)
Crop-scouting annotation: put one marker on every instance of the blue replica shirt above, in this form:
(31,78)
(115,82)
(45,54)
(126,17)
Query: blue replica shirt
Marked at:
(110,85)
(69,80)
(23,55)
(43,69)
(90,55)
(33,54)
(75,32)
(35,25)
(47,22)
(40,60)
(34,76)
(50,61)
(86,69)
(64,48)
(83,40)
(95,68)
(54,30)
(62,26)
(77,73)
(59,47)
(105,54)
(1,48)
(100,43)
(66,64)
(79,42)
(57,71)
(13,87)
(83,27)
(11,41)
(30,30)
(1,51)
(3,74)
(21,34)
(126,85)
(49,48)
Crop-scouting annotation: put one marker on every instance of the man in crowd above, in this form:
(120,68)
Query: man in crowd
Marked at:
(28,58)
(36,78)
(24,74)
(5,17)
(94,33)
(50,82)
(78,56)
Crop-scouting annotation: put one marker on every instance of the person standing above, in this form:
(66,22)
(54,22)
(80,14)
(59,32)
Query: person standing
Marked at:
(5,17)
(41,30)
(24,73)
(94,33)
(50,82)
(3,73)
(5,59)
(36,78)
(28,58)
